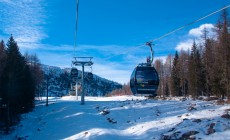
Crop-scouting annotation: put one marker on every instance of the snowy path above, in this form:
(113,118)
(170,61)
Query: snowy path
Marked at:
(123,118)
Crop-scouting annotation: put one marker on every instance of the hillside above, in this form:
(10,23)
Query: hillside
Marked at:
(124,117)
(59,83)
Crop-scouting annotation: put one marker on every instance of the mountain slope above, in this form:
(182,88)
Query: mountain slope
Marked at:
(59,83)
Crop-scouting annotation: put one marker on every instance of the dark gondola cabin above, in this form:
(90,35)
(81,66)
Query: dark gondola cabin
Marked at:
(90,76)
(74,73)
(144,81)
(144,78)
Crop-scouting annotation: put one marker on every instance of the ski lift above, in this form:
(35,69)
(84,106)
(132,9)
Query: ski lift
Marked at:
(144,78)
(74,72)
(90,74)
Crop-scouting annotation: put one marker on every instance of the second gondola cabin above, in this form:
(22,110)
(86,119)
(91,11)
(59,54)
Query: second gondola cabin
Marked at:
(74,73)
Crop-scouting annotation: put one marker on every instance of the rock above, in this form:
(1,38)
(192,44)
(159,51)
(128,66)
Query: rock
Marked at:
(226,116)
(191,108)
(171,129)
(97,107)
(111,121)
(189,135)
(211,130)
(174,136)
(185,119)
(104,112)
(197,120)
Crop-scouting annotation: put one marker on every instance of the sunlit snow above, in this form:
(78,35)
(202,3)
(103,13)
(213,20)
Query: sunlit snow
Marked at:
(122,117)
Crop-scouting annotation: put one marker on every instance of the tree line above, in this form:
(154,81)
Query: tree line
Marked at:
(203,70)
(20,76)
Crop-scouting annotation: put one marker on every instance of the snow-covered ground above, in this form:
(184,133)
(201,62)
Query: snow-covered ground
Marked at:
(123,117)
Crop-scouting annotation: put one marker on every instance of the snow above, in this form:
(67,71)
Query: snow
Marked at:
(123,117)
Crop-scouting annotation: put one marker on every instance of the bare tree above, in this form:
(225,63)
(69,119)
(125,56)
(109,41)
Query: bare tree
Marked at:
(160,69)
(183,63)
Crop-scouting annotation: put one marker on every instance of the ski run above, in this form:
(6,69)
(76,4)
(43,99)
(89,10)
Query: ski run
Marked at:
(123,118)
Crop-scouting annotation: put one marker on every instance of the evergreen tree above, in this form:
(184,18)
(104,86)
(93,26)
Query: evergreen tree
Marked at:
(28,90)
(175,76)
(2,64)
(2,67)
(206,55)
(196,72)
(18,85)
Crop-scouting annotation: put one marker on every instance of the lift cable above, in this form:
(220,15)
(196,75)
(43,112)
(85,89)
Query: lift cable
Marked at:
(171,32)
(76,25)
(182,27)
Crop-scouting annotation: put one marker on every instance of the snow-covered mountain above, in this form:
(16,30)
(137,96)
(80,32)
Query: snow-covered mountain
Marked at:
(59,83)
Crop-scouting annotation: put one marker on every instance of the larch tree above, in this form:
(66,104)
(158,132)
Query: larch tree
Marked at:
(168,72)
(160,70)
(183,63)
(223,33)
(36,71)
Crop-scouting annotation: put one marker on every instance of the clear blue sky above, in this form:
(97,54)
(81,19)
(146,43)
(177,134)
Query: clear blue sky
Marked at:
(105,28)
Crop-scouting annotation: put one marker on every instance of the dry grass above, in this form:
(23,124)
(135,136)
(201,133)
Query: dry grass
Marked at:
(228,101)
(220,102)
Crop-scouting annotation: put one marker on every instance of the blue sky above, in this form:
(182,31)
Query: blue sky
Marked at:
(106,28)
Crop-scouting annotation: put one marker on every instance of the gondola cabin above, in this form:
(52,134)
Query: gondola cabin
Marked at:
(144,81)
(90,76)
(74,73)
